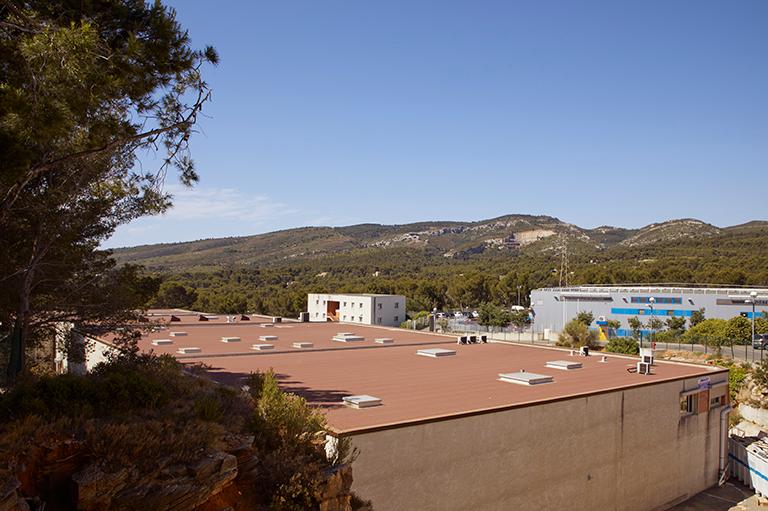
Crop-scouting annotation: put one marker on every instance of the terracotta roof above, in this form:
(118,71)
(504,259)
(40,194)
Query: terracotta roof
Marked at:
(412,388)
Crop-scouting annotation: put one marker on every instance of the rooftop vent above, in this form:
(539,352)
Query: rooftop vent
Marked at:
(348,338)
(202,318)
(243,317)
(436,352)
(565,365)
(230,339)
(178,334)
(523,378)
(267,337)
(362,401)
(384,340)
(209,316)
(302,345)
(277,319)
(162,342)
(186,351)
(175,318)
(262,347)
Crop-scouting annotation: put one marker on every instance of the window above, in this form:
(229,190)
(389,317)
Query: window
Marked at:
(317,302)
(345,304)
(361,305)
(688,404)
(717,401)
(397,318)
(361,319)
(379,306)
(657,299)
(397,305)
(378,320)
(344,317)
(352,304)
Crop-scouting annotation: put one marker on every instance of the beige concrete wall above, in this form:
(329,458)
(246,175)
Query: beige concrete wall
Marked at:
(628,450)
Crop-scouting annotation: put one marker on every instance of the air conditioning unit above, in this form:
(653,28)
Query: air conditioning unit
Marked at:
(643,368)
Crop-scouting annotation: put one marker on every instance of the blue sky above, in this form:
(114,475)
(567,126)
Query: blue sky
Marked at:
(597,112)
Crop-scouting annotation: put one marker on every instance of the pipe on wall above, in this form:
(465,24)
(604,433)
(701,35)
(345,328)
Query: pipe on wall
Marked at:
(723,443)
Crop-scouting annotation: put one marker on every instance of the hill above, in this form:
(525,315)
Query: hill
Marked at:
(510,235)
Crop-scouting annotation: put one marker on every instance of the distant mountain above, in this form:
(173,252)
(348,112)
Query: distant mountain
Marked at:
(507,235)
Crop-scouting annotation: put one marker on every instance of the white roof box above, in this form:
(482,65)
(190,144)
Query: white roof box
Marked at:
(267,337)
(348,338)
(302,345)
(230,339)
(185,351)
(362,401)
(162,342)
(564,365)
(384,340)
(524,378)
(178,334)
(436,352)
(262,347)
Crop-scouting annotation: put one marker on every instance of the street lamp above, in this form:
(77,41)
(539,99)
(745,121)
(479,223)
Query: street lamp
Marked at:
(651,301)
(753,300)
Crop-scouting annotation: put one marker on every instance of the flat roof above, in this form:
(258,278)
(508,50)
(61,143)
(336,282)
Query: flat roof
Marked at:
(412,388)
(354,294)
(641,288)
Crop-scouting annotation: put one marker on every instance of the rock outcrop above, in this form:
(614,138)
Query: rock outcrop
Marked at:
(63,476)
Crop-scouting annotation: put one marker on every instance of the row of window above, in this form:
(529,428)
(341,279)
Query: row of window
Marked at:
(352,304)
(656,312)
(352,318)
(657,299)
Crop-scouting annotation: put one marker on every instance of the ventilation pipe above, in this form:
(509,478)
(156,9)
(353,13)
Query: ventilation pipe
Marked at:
(724,443)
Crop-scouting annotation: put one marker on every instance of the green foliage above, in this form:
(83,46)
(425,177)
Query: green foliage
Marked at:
(493,316)
(738,330)
(585,317)
(635,325)
(83,87)
(708,331)
(676,324)
(737,375)
(284,419)
(575,334)
(624,345)
(760,373)
(519,318)
(696,317)
(174,295)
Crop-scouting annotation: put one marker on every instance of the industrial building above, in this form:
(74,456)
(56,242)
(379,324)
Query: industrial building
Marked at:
(364,309)
(554,307)
(495,426)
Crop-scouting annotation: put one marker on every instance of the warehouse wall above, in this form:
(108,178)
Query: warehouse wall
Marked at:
(627,450)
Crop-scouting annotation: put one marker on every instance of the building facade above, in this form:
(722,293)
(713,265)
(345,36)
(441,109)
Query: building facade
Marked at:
(363,309)
(633,450)
(554,307)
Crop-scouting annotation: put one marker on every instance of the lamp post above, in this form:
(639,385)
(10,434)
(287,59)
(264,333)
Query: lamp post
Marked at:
(753,300)
(651,301)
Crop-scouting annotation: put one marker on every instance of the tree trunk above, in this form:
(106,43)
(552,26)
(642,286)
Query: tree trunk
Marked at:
(20,334)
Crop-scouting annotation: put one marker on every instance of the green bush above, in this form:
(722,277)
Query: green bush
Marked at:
(624,345)
(575,334)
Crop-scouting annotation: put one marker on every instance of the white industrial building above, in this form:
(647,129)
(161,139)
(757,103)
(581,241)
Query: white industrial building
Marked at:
(363,309)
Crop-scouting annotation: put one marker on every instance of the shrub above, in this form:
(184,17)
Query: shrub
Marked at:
(624,345)
(575,334)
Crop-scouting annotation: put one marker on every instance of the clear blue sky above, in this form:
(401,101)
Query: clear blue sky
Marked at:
(597,112)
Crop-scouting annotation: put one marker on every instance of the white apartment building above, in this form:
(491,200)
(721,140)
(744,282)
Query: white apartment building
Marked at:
(364,309)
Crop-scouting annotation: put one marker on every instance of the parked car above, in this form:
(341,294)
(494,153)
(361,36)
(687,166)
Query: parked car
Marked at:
(475,314)
(458,314)
(760,341)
